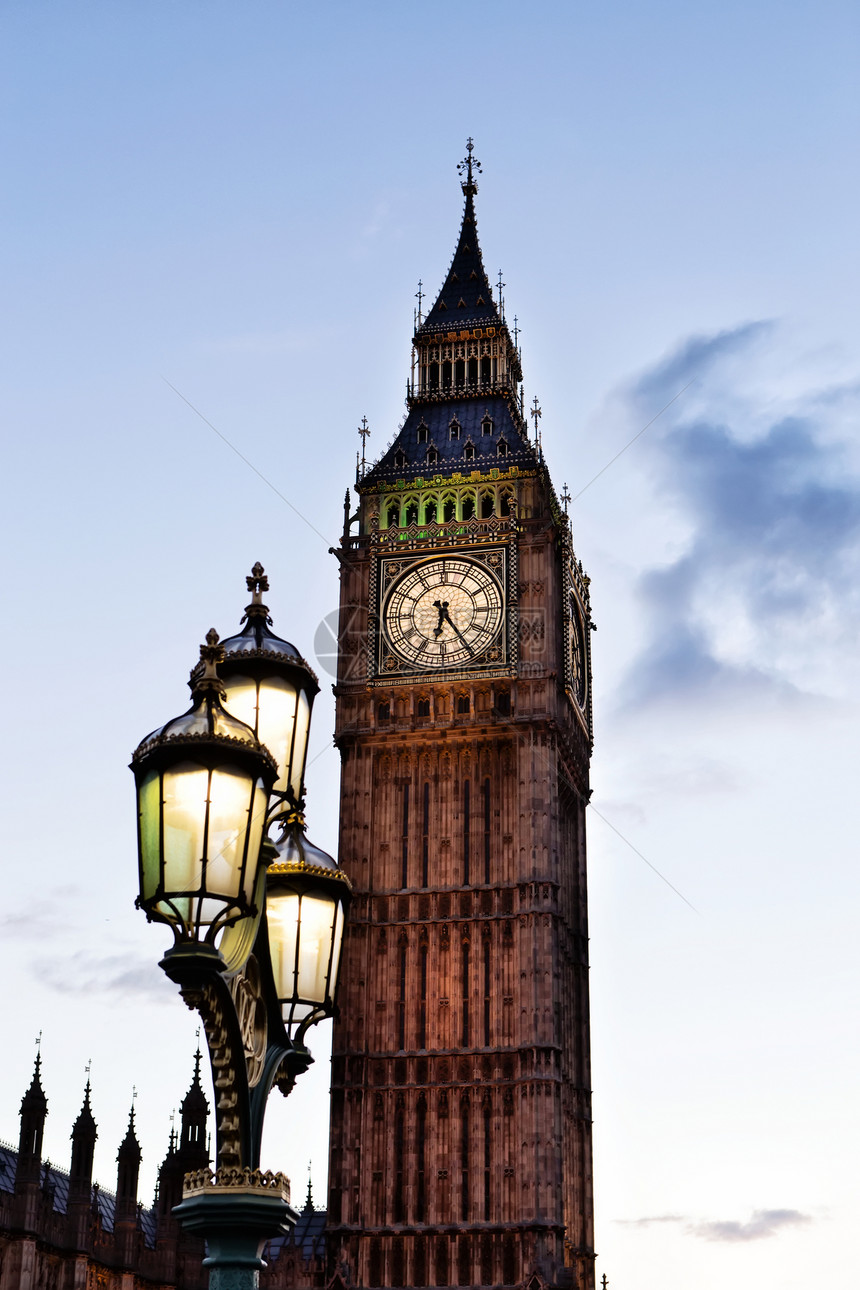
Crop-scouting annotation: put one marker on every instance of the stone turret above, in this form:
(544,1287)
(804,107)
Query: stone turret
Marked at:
(84,1135)
(34,1109)
(128,1169)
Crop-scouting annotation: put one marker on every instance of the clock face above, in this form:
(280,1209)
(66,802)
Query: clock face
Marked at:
(578,654)
(442,613)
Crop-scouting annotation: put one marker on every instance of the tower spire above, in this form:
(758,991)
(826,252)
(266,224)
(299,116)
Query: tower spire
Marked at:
(466,298)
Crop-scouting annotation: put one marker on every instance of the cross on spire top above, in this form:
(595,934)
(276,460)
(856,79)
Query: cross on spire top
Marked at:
(565,498)
(467,166)
(364,434)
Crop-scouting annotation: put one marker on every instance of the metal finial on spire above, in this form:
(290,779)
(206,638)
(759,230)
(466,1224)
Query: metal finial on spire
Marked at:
(536,415)
(419,296)
(501,286)
(565,498)
(516,333)
(467,166)
(604,1283)
(364,433)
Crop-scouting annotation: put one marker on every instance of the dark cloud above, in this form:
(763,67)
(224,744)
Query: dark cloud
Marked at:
(763,1223)
(772,511)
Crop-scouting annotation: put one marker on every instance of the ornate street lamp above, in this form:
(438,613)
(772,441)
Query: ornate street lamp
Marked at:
(203,784)
(270,686)
(257,924)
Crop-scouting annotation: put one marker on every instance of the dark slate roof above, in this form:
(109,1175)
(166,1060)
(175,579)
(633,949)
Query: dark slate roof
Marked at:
(308,1237)
(466,297)
(8,1162)
(437,417)
(56,1181)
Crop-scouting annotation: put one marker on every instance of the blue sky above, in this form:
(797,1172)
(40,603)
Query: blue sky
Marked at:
(240,200)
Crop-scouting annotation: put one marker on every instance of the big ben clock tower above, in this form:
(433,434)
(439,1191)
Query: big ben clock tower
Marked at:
(461,1102)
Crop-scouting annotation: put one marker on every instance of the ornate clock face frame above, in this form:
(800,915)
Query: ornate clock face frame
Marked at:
(443,613)
(577,654)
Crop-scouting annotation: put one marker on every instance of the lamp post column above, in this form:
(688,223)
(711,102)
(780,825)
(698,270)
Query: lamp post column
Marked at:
(236,1218)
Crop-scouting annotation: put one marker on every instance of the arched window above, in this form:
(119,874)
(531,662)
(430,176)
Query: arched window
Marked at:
(434,376)
(473,371)
(383,712)
(459,372)
(503,448)
(432,456)
(449,511)
(506,500)
(446,376)
(488,505)
(469,452)
(399,459)
(454,429)
(422,434)
(486,426)
(469,506)
(486,370)
(430,511)
(423,707)
(462,704)
(411,510)
(393,515)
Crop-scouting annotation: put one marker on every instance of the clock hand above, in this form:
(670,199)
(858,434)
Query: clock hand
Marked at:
(442,606)
(459,633)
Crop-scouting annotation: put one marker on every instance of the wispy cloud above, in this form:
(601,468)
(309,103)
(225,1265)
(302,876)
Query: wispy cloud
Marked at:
(103,974)
(649,1219)
(763,1223)
(770,504)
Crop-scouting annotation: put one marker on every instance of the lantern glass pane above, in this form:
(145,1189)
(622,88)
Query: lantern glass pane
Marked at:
(315,933)
(256,825)
(282,916)
(231,801)
(303,724)
(149,807)
(277,719)
(336,948)
(186,793)
(241,700)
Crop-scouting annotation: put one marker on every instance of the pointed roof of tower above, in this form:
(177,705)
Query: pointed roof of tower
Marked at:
(195,1101)
(466,298)
(34,1099)
(85,1125)
(129,1148)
